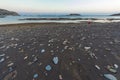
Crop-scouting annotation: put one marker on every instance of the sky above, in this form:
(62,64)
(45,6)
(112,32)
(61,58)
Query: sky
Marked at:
(62,6)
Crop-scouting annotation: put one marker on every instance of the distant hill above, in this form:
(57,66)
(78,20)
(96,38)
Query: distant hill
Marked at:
(4,13)
(116,14)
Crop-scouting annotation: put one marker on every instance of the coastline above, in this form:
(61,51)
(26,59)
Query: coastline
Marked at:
(54,23)
(22,45)
(57,19)
(62,22)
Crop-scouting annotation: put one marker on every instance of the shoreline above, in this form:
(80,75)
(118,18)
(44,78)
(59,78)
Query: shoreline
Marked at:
(29,19)
(70,19)
(42,21)
(81,22)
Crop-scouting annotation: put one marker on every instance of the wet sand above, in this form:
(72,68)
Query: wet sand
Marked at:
(26,49)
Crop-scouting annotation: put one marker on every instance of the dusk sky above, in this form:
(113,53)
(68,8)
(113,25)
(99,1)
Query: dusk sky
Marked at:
(62,6)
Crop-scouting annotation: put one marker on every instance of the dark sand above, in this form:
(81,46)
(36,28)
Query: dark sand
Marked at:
(22,45)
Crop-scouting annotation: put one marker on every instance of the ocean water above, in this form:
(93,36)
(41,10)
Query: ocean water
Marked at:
(16,19)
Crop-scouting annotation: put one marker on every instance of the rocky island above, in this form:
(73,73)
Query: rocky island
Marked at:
(4,13)
(74,14)
(116,14)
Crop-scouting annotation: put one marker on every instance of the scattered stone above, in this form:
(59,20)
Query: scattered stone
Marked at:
(83,38)
(2,47)
(10,64)
(111,42)
(70,64)
(73,62)
(60,77)
(93,55)
(21,51)
(16,39)
(80,45)
(2,55)
(65,42)
(78,59)
(87,48)
(52,40)
(55,60)
(116,41)
(116,66)
(51,51)
(7,57)
(43,50)
(41,44)
(11,69)
(12,38)
(110,76)
(35,76)
(35,59)
(111,69)
(40,64)
(2,60)
(46,74)
(30,63)
(65,47)
(48,44)
(108,49)
(25,57)
(71,48)
(48,68)
(97,67)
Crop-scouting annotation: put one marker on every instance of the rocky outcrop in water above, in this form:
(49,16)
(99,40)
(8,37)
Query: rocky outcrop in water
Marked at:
(74,14)
(116,14)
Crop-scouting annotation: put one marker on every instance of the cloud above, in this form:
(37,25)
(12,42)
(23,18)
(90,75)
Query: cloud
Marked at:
(61,5)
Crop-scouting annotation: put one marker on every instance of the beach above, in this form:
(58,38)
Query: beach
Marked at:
(84,51)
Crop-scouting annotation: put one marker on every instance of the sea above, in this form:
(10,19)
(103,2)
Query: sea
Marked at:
(16,19)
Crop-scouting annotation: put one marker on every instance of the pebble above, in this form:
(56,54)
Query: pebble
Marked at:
(111,69)
(55,60)
(116,40)
(97,67)
(2,47)
(2,55)
(10,69)
(80,45)
(7,57)
(78,59)
(116,66)
(35,76)
(65,47)
(65,42)
(108,49)
(87,48)
(110,76)
(11,64)
(83,38)
(52,40)
(2,60)
(43,50)
(25,57)
(71,48)
(12,38)
(30,63)
(35,59)
(60,77)
(48,68)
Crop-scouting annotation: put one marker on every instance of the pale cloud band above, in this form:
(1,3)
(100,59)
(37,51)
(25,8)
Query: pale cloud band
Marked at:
(61,5)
